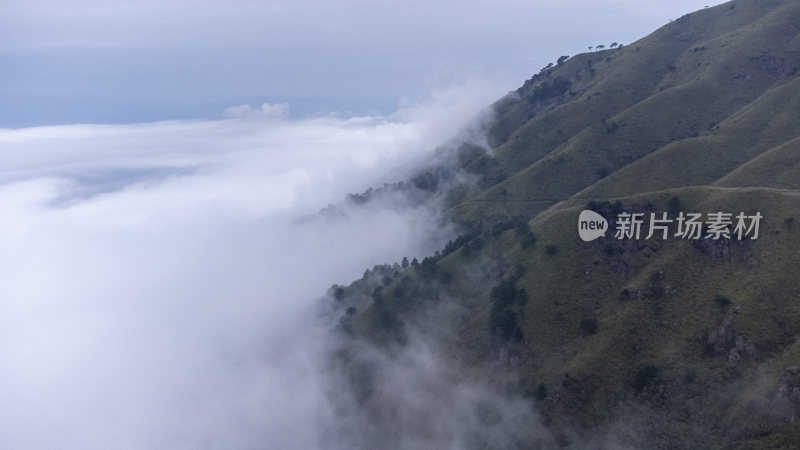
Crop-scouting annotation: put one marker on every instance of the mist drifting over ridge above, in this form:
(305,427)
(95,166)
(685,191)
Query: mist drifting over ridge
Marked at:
(157,290)
(167,277)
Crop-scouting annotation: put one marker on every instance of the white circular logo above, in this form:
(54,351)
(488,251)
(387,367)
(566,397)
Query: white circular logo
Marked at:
(591,225)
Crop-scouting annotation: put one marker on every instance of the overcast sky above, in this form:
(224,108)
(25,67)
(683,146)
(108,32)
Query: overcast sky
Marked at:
(123,61)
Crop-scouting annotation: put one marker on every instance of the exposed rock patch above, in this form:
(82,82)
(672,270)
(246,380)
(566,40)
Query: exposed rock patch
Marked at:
(771,64)
(713,248)
(724,340)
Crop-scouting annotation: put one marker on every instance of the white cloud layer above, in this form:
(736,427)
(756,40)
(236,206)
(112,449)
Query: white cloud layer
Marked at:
(155,288)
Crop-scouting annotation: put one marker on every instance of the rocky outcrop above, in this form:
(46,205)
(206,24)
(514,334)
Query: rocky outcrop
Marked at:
(771,64)
(725,341)
(786,401)
(713,248)
(742,348)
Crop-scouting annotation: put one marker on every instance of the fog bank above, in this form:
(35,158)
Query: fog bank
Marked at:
(156,289)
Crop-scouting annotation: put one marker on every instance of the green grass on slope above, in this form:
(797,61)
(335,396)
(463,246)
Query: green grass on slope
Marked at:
(654,304)
(776,168)
(675,85)
(616,333)
(648,343)
(768,122)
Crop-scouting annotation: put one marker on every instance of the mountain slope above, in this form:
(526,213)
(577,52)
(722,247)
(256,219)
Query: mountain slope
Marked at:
(675,85)
(670,343)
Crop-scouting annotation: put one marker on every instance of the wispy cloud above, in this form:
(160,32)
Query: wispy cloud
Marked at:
(266,110)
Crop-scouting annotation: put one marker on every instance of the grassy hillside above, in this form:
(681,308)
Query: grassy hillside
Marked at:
(669,94)
(636,343)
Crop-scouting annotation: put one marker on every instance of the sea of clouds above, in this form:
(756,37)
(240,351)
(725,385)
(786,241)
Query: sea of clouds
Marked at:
(156,287)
